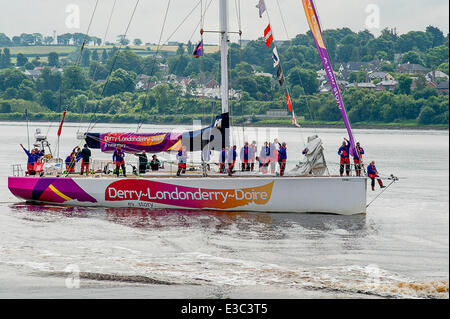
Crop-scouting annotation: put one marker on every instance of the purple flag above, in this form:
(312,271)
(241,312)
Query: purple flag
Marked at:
(314,25)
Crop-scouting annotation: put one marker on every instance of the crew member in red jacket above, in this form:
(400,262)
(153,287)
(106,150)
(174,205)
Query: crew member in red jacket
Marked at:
(119,159)
(373,174)
(358,159)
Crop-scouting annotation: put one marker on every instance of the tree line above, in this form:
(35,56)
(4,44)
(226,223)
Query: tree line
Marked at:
(105,80)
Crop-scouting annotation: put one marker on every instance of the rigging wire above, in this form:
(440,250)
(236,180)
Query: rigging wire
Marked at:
(155,56)
(176,30)
(113,65)
(104,38)
(81,51)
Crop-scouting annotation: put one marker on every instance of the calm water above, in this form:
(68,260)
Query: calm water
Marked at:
(400,249)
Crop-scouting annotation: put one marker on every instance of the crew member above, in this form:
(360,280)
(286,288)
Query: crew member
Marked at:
(222,160)
(373,174)
(245,157)
(155,164)
(253,152)
(70,163)
(344,152)
(143,161)
(32,159)
(282,158)
(119,159)
(86,157)
(264,157)
(358,159)
(273,155)
(232,156)
(182,161)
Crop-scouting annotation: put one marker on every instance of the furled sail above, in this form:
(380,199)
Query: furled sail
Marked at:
(213,137)
(314,164)
(314,24)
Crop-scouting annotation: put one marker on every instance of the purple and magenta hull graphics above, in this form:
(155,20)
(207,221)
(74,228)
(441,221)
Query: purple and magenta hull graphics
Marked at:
(48,190)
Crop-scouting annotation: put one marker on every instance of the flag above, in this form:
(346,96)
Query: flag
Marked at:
(262,7)
(276,58)
(289,102)
(62,123)
(198,52)
(26,113)
(280,76)
(268,35)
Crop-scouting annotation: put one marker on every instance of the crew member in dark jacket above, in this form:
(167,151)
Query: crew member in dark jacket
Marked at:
(232,156)
(155,164)
(143,161)
(222,160)
(282,158)
(246,157)
(86,157)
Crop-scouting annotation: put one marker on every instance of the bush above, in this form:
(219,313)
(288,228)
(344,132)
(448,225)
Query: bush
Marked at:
(426,116)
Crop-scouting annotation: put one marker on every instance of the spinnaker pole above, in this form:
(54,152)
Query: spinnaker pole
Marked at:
(314,24)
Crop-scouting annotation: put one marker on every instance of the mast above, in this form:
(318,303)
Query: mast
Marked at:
(224,54)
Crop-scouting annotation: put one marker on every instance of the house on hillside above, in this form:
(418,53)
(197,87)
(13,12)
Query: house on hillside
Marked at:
(348,68)
(215,93)
(326,87)
(212,84)
(380,76)
(387,85)
(434,76)
(369,86)
(267,75)
(32,74)
(410,68)
(443,87)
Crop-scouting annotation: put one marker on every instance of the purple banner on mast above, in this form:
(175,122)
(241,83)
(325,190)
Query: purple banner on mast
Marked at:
(314,24)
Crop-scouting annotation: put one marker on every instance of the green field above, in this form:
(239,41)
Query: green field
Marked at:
(41,51)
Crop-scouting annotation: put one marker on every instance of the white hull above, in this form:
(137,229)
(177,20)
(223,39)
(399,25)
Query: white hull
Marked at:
(330,195)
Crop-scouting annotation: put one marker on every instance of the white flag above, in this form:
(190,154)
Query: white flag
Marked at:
(276,58)
(262,7)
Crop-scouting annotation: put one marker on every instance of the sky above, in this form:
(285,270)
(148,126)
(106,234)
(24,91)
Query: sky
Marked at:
(45,16)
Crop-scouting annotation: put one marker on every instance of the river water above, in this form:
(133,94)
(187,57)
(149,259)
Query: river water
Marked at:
(400,249)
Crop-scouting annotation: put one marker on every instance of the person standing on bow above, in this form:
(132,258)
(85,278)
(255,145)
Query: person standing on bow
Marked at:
(282,158)
(357,158)
(232,156)
(182,161)
(245,157)
(119,159)
(344,152)
(373,174)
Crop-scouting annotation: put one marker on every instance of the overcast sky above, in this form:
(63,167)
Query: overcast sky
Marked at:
(44,16)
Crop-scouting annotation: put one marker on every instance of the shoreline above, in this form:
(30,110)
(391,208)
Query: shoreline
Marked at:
(281,124)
